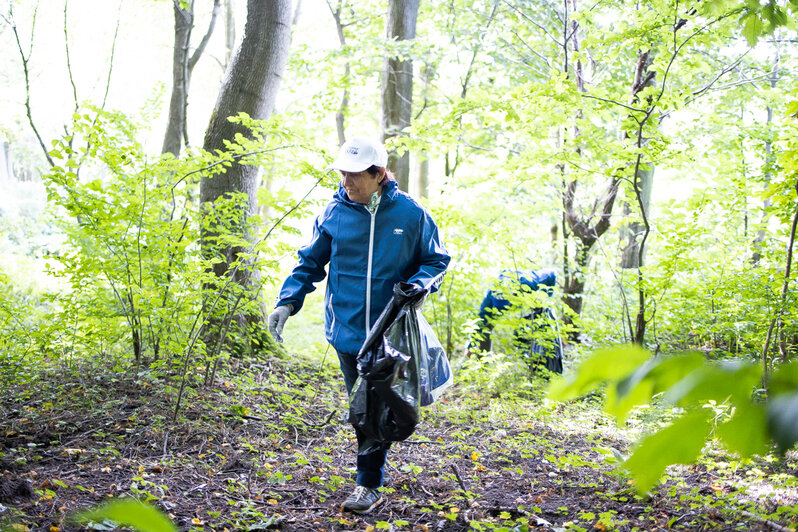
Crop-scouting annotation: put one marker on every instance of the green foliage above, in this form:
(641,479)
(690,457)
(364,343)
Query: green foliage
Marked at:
(131,257)
(20,334)
(679,443)
(718,398)
(605,365)
(127,512)
(139,281)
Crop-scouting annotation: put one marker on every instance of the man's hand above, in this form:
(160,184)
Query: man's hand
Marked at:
(277,319)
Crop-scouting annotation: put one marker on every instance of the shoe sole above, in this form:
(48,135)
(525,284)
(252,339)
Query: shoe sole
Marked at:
(367,510)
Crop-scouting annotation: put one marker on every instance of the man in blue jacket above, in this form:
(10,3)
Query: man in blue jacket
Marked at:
(372,235)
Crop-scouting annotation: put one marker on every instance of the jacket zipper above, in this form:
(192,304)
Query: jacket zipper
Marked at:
(368,271)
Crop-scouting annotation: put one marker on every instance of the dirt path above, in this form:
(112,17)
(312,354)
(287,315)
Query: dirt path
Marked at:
(270,450)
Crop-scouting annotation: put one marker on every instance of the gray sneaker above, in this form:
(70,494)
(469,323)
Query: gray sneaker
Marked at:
(363,500)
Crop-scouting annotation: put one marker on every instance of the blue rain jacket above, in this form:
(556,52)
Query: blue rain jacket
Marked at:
(367,253)
(495,303)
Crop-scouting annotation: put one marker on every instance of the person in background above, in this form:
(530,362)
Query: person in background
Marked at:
(538,352)
(372,235)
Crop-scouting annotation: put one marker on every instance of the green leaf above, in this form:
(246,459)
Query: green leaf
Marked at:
(779,17)
(653,377)
(746,433)
(601,366)
(716,382)
(131,513)
(679,443)
(783,421)
(752,28)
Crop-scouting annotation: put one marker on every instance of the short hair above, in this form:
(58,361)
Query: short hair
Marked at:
(374,170)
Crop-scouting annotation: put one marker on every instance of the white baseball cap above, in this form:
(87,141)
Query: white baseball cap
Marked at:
(358,154)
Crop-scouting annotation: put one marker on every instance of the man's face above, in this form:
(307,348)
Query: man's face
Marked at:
(360,185)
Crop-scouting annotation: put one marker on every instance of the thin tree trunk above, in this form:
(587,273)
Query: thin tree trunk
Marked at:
(184,23)
(756,256)
(422,179)
(229,32)
(6,169)
(633,231)
(182,65)
(343,107)
(397,85)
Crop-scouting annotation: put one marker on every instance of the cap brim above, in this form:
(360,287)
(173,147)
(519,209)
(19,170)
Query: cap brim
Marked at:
(345,164)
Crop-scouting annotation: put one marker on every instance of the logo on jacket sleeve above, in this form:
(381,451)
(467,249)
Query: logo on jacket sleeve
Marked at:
(398,231)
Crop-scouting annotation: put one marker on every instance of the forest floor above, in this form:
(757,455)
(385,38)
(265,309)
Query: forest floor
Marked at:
(268,448)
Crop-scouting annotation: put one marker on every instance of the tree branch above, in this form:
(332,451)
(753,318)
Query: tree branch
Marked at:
(68,62)
(11,22)
(537,25)
(205,38)
(111,58)
(614,102)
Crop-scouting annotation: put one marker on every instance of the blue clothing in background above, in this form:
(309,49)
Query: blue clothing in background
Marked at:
(547,353)
(494,301)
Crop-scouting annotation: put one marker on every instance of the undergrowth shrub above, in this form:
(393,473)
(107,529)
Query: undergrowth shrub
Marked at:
(142,286)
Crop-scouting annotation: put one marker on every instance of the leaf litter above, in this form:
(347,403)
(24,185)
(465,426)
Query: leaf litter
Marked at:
(269,448)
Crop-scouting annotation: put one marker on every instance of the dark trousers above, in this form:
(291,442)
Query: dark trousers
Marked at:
(370,467)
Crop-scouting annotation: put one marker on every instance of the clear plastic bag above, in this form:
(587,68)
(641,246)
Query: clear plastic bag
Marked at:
(435,372)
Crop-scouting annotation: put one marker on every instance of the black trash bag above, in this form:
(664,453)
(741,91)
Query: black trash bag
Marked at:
(402,366)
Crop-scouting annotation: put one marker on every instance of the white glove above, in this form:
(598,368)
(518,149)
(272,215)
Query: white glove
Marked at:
(277,319)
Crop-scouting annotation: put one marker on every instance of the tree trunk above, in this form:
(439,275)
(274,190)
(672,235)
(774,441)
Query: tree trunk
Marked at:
(6,171)
(768,174)
(343,107)
(182,66)
(422,180)
(582,227)
(250,86)
(184,23)
(631,253)
(229,32)
(574,281)
(397,84)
